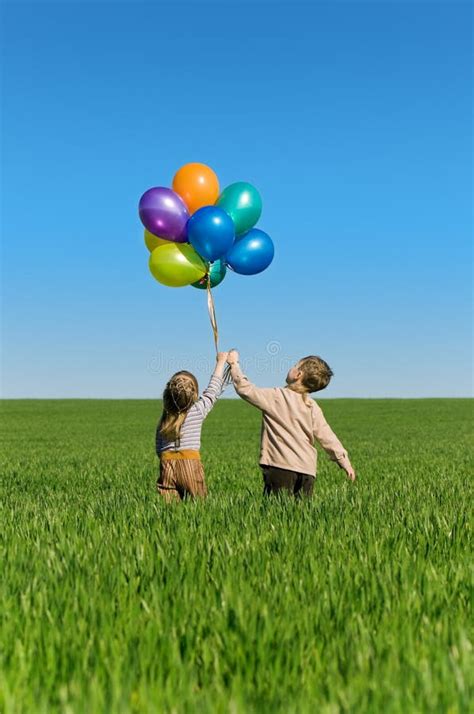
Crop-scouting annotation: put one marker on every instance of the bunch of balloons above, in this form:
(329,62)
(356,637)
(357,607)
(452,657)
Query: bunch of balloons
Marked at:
(194,233)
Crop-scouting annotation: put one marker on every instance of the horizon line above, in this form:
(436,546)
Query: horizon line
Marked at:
(226,399)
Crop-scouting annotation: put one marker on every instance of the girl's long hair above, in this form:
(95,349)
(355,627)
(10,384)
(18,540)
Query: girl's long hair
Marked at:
(180,394)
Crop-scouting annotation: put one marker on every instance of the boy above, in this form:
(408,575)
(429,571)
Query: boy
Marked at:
(292,421)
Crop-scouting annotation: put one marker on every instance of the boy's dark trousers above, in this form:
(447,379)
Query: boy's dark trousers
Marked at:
(277,480)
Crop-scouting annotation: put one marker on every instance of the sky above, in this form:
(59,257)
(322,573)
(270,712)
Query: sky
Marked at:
(353,119)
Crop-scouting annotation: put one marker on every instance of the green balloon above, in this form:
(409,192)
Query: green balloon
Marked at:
(243,203)
(217,272)
(176,264)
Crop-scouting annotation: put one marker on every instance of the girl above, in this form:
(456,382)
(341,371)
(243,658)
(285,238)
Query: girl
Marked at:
(178,435)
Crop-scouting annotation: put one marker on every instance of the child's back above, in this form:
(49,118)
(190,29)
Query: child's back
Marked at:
(190,431)
(292,422)
(178,434)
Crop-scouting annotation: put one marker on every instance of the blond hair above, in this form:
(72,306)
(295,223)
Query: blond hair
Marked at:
(316,373)
(179,395)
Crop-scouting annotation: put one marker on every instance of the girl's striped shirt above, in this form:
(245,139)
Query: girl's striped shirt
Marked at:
(190,436)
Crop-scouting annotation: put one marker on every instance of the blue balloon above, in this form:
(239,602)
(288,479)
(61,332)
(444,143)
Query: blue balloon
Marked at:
(211,232)
(251,253)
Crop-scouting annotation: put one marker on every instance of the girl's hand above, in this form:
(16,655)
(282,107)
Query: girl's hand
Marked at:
(221,357)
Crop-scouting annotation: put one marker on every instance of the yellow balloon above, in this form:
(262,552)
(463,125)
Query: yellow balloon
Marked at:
(152,241)
(176,265)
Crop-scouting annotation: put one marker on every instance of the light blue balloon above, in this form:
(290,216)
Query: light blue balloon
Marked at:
(251,253)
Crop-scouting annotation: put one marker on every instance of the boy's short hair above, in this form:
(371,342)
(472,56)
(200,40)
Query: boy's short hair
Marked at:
(316,373)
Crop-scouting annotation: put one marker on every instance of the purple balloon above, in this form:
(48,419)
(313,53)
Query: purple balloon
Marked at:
(164,213)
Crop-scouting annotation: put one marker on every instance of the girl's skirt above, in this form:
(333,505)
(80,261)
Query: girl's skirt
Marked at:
(181,475)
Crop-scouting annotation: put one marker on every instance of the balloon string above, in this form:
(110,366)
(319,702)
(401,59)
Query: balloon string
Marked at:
(212,312)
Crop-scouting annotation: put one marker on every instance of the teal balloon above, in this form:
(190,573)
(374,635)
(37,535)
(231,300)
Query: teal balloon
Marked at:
(217,272)
(243,203)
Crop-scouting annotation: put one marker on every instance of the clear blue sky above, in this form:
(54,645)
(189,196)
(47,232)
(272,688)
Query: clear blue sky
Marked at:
(352,119)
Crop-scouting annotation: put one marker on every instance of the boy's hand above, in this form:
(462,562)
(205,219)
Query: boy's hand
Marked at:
(351,474)
(222,357)
(232,357)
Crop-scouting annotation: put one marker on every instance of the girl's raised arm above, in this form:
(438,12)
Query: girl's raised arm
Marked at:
(214,389)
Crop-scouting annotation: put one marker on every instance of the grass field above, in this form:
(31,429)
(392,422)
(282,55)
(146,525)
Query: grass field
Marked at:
(355,602)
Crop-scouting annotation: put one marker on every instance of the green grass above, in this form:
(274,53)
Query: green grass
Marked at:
(355,602)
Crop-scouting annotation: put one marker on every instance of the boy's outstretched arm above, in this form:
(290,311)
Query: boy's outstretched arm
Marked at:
(261,397)
(325,436)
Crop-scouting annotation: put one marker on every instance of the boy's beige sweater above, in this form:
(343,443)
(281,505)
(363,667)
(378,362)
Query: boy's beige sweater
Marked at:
(292,422)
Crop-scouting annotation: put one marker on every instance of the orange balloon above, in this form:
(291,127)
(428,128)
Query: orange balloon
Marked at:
(197,184)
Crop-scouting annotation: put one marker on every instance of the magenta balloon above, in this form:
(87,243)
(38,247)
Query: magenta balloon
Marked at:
(164,213)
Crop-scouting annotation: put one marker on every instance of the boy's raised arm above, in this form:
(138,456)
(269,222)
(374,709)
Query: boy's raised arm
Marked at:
(260,397)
